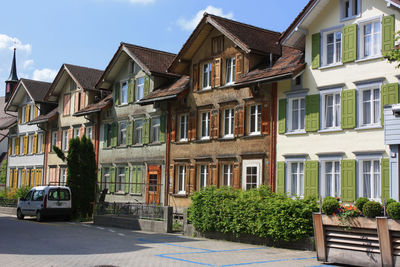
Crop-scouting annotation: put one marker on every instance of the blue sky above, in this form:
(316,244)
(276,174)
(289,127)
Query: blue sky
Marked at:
(49,33)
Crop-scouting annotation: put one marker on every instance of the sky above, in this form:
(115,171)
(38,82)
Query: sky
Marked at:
(48,33)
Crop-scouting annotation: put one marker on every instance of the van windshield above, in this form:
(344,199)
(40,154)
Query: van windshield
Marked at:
(59,194)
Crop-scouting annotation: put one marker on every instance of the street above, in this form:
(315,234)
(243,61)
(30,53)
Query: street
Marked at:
(59,243)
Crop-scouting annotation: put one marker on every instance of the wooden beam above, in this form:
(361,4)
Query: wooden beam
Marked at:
(384,241)
(319,237)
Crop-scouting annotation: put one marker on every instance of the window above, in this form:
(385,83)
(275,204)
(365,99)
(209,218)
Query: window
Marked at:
(230,70)
(297,113)
(78,104)
(332,47)
(89,132)
(109,134)
(331,109)
(106,179)
(205,125)
(255,119)
(227,175)
(37,196)
(155,129)
(183,124)
(63,176)
(30,144)
(203,176)
(76,133)
(350,8)
(217,45)
(330,180)
(229,122)
(13,146)
(123,96)
(32,113)
(139,94)
(207,75)
(23,114)
(64,140)
(181,179)
(251,174)
(120,179)
(138,131)
(40,143)
(54,136)
(370,39)
(370,179)
(295,179)
(370,106)
(122,133)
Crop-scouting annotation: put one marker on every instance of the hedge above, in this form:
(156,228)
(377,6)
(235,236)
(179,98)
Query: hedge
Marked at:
(257,212)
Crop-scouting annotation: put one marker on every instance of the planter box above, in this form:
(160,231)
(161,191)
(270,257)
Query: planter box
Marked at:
(361,241)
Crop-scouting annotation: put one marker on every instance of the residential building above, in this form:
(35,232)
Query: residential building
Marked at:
(132,137)
(330,137)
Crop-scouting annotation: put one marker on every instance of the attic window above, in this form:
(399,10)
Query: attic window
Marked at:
(350,9)
(217,44)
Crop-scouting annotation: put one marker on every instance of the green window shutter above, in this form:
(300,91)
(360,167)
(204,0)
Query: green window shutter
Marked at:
(348,180)
(162,128)
(116,93)
(146,86)
(311,178)
(316,50)
(385,179)
(280,177)
(127,176)
(388,34)
(312,113)
(129,133)
(133,180)
(112,179)
(349,50)
(105,136)
(348,109)
(131,90)
(114,137)
(390,95)
(139,174)
(146,131)
(99,177)
(282,116)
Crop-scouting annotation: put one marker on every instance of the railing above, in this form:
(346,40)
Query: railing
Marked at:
(134,210)
(8,202)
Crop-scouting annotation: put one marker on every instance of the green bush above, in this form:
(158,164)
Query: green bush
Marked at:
(329,205)
(372,209)
(393,210)
(257,212)
(389,201)
(360,203)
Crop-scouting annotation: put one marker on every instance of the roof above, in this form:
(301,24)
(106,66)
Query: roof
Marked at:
(249,38)
(96,107)
(167,92)
(86,77)
(394,2)
(6,119)
(288,65)
(13,72)
(45,117)
(36,89)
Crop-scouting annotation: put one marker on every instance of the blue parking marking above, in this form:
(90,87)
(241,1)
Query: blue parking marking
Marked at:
(270,261)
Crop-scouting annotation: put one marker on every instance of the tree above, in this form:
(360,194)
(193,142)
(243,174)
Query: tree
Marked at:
(394,55)
(81,174)
(3,172)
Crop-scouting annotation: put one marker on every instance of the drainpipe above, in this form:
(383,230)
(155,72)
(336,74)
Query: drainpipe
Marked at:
(167,156)
(273,136)
(46,152)
(398,174)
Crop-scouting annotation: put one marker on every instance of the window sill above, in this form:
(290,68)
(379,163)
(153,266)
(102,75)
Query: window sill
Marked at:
(181,142)
(204,90)
(122,105)
(208,140)
(122,146)
(155,144)
(136,194)
(331,130)
(119,193)
(252,136)
(369,58)
(228,85)
(371,127)
(331,66)
(350,18)
(296,132)
(182,195)
(230,138)
(137,145)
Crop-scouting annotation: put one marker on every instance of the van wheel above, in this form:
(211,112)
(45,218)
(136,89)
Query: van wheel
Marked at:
(39,216)
(20,216)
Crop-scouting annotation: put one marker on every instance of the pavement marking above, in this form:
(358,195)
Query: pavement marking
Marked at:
(101,228)
(110,230)
(85,225)
(121,234)
(269,261)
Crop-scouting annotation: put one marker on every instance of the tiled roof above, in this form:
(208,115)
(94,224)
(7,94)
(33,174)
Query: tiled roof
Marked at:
(87,77)
(45,117)
(36,89)
(290,63)
(167,92)
(95,107)
(6,119)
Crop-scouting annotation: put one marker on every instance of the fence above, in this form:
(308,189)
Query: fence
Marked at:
(134,210)
(10,203)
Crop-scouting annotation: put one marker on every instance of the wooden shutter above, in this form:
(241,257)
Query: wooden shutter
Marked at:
(214,172)
(112,179)
(388,34)
(311,178)
(67,104)
(27,112)
(34,145)
(99,178)
(236,176)
(15,178)
(19,115)
(196,76)
(36,111)
(127,176)
(265,118)
(44,140)
(26,141)
(32,177)
(213,74)
(83,100)
(105,135)
(282,116)
(76,101)
(349,49)
(192,179)
(316,50)
(348,180)
(280,177)
(146,86)
(192,126)
(163,127)
(385,187)
(390,95)
(17,145)
(38,177)
(23,178)
(116,93)
(312,113)
(239,66)
(9,146)
(239,121)
(217,72)
(171,179)
(129,133)
(348,109)
(146,131)
(114,138)
(215,124)
(173,126)
(131,90)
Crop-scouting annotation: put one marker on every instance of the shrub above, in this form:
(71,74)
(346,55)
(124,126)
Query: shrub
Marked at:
(360,203)
(372,209)
(393,210)
(330,205)
(389,201)
(257,212)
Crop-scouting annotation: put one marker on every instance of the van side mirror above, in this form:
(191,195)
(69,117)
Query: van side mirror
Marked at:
(21,199)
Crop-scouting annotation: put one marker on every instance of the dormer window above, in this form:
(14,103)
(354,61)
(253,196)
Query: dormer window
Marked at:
(350,9)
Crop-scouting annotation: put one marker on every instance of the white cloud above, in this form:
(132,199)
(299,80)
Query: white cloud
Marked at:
(46,75)
(8,42)
(28,63)
(192,23)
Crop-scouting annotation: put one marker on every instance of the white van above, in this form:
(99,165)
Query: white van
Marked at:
(42,201)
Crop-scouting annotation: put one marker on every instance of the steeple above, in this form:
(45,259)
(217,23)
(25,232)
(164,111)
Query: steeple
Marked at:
(12,80)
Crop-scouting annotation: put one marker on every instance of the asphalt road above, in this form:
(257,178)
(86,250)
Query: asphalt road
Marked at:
(58,243)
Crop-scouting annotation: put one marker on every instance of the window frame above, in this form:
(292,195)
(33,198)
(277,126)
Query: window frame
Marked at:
(322,175)
(30,144)
(208,122)
(139,86)
(136,128)
(89,132)
(122,133)
(40,137)
(231,123)
(360,174)
(105,178)
(183,138)
(257,121)
(155,129)
(63,175)
(258,163)
(13,143)
(300,181)
(76,132)
(351,7)
(323,112)
(120,180)
(209,75)
(121,91)
(361,38)
(230,63)
(229,174)
(64,140)
(181,191)
(203,174)
(324,44)
(290,115)
(360,100)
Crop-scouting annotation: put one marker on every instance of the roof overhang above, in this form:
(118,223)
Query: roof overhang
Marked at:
(392,3)
(157,99)
(17,97)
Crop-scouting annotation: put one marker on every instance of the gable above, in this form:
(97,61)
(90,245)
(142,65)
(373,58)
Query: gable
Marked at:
(19,98)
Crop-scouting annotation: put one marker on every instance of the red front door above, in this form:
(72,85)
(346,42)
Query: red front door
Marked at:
(153,188)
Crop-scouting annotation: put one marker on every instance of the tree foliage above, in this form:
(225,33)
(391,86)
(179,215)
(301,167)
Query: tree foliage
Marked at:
(3,172)
(394,55)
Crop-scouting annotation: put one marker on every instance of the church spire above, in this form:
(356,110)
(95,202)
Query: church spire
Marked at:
(12,80)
